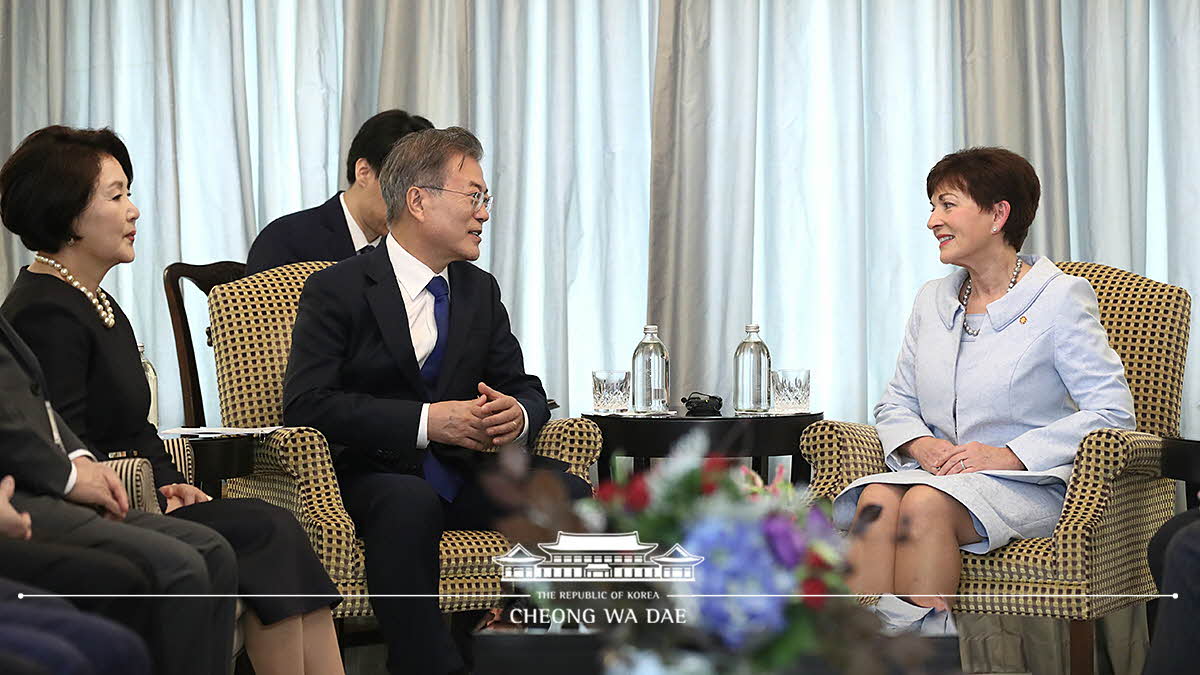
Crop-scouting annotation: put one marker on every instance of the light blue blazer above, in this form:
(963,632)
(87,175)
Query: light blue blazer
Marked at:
(1050,377)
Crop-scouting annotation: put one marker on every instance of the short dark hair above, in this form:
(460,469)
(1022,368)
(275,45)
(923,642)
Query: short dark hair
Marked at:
(377,135)
(989,176)
(420,159)
(48,180)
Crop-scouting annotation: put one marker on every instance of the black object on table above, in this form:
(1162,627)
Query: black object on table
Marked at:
(759,437)
(1181,461)
(222,457)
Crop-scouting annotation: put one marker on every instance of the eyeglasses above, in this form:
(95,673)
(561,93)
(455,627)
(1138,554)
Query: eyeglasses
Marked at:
(479,200)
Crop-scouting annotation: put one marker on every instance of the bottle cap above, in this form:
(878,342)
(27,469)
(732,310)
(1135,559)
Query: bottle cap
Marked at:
(751,328)
(650,328)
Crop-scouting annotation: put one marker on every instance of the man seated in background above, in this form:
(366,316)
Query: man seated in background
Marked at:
(350,222)
(405,360)
(76,502)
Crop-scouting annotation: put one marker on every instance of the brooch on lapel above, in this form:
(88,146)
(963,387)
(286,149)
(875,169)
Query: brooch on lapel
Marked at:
(1024,320)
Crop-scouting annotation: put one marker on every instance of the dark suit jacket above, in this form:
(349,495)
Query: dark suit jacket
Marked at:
(27,448)
(319,233)
(353,374)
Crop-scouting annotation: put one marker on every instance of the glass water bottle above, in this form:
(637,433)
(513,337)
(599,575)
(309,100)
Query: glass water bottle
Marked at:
(752,383)
(152,380)
(651,373)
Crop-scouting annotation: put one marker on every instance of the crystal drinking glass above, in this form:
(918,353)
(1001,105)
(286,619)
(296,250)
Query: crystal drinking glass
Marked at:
(790,390)
(610,391)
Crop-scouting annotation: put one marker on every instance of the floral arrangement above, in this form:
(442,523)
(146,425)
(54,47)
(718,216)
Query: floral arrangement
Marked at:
(769,545)
(769,596)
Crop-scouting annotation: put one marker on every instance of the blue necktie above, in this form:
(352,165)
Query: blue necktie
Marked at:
(443,480)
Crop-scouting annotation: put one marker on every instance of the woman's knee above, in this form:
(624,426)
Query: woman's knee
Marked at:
(887,497)
(924,504)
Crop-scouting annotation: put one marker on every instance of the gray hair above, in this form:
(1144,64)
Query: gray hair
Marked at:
(420,159)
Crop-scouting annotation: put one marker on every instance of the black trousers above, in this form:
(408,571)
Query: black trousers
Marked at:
(188,635)
(1176,641)
(401,519)
(73,570)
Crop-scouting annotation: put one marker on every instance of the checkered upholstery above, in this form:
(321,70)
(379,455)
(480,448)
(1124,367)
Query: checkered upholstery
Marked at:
(1116,498)
(251,335)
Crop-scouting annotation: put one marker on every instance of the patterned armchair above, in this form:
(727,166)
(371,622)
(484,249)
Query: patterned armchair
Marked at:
(251,335)
(1116,498)
(137,475)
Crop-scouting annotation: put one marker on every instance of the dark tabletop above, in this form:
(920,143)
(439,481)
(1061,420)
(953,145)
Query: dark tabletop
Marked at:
(757,436)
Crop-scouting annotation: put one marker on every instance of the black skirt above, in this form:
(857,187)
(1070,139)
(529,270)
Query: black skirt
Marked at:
(274,556)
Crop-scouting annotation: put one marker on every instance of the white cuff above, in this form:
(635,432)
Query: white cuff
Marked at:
(74,474)
(519,441)
(423,428)
(524,425)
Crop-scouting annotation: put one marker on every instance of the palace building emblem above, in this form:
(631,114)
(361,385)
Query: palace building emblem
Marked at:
(598,557)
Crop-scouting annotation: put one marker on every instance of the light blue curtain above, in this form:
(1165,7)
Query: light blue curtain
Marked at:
(791,142)
(695,164)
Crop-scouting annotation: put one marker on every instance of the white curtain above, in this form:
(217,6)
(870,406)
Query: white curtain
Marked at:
(226,110)
(559,94)
(791,141)
(696,164)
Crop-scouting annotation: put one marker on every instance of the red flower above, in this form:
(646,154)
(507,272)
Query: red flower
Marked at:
(637,496)
(814,586)
(815,562)
(707,486)
(716,465)
(608,492)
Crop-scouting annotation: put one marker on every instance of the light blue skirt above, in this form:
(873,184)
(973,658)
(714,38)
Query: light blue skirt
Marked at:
(1001,508)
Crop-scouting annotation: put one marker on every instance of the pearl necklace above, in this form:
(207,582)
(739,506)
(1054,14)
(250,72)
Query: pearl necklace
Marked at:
(967,296)
(99,298)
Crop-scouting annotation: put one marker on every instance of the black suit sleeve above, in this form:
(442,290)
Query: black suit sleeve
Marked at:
(314,394)
(27,451)
(270,250)
(505,368)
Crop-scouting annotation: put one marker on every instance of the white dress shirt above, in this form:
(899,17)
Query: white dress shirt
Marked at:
(71,478)
(413,276)
(357,238)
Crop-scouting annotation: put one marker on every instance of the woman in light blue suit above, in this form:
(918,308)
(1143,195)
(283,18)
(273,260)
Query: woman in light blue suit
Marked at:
(1004,369)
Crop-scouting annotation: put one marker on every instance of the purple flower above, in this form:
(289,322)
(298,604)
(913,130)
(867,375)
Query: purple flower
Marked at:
(818,526)
(786,541)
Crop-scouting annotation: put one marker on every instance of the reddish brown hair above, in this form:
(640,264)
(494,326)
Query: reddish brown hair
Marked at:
(990,176)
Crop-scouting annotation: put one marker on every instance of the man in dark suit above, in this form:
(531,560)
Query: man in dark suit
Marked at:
(350,221)
(75,501)
(405,360)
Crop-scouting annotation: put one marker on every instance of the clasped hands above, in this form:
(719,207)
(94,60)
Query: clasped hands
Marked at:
(490,419)
(943,458)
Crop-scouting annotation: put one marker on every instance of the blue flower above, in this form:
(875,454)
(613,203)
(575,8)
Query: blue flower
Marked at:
(738,561)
